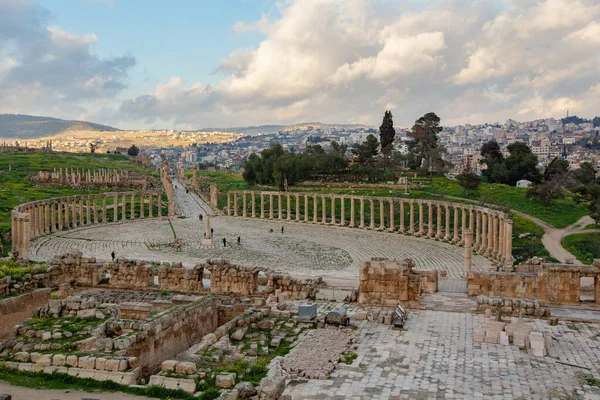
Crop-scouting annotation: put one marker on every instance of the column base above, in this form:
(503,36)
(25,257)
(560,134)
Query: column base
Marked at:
(208,242)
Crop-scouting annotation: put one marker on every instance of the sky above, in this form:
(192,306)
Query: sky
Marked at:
(139,64)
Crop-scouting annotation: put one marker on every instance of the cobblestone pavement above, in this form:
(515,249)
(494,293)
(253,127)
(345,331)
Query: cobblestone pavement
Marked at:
(303,249)
(435,357)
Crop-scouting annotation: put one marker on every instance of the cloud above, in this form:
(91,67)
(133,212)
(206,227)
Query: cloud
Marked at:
(47,70)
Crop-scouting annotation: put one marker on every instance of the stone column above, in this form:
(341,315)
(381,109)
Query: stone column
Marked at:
(271,211)
(430,221)
(324,209)
(495,236)
(53,216)
(159,204)
(332,222)
(447,236)
(484,239)
(229,203)
(124,207)
(501,240)
(115,208)
(463,212)
(88,211)
(315,208)
(411,228)
(438,222)
(468,249)
(25,234)
(67,223)
(14,230)
(391,215)
(471,219)
(262,206)
(421,230)
(253,201)
(362,213)
(508,231)
(95,208)
(104,208)
(75,217)
(306,208)
(47,219)
(279,206)
(142,201)
(372,207)
(289,207)
(476,231)
(235,204)
(59,215)
(402,216)
(150,205)
(244,211)
(381,215)
(132,206)
(490,236)
(297,207)
(352,222)
(455,239)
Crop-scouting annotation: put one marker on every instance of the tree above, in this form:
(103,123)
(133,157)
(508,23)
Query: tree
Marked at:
(522,164)
(545,192)
(586,173)
(93,147)
(557,167)
(495,171)
(387,134)
(469,180)
(424,152)
(133,151)
(365,153)
(592,194)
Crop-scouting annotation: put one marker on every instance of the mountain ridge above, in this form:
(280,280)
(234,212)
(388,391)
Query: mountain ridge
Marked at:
(21,126)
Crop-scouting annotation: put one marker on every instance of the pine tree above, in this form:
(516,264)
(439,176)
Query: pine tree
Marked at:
(387,133)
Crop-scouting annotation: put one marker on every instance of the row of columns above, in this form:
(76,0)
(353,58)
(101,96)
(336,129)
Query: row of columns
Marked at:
(38,218)
(491,230)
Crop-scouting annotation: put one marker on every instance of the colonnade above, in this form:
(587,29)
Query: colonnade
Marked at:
(31,220)
(491,230)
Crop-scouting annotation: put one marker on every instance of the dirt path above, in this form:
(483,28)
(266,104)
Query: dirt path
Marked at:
(22,393)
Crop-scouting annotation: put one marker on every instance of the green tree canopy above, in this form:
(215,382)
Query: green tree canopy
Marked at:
(133,151)
(424,151)
(387,133)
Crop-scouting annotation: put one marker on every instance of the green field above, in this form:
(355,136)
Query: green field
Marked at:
(584,246)
(17,188)
(531,245)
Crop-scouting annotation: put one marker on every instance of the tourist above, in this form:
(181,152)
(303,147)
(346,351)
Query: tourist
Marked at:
(201,217)
(224,242)
(187,191)
(239,240)
(113,255)
(271,230)
(282,230)
(212,233)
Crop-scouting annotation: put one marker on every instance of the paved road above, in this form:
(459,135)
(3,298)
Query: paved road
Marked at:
(304,249)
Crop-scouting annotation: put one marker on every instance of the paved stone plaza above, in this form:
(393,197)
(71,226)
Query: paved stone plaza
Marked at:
(434,357)
(303,249)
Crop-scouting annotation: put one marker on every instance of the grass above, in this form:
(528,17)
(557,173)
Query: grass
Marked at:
(584,246)
(530,246)
(349,356)
(18,271)
(17,168)
(56,381)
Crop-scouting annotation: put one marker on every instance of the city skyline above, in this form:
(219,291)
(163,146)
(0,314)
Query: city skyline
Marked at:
(147,65)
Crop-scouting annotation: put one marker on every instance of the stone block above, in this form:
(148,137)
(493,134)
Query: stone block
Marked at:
(116,377)
(87,362)
(238,334)
(72,361)
(168,365)
(504,338)
(185,368)
(123,364)
(156,380)
(225,381)
(87,373)
(50,370)
(266,324)
(100,363)
(360,315)
(87,314)
(73,371)
(33,356)
(22,356)
(24,366)
(111,365)
(133,362)
(492,336)
(44,360)
(479,335)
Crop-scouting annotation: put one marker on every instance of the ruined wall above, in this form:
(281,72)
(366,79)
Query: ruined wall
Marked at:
(513,307)
(389,282)
(429,281)
(294,289)
(15,310)
(171,334)
(554,283)
(228,278)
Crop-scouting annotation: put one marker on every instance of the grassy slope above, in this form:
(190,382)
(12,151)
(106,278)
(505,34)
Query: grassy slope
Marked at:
(584,246)
(17,188)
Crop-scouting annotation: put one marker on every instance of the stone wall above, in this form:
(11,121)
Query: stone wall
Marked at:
(15,310)
(171,334)
(513,307)
(554,283)
(389,282)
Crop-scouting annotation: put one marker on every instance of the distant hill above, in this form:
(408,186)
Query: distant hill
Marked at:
(268,129)
(31,127)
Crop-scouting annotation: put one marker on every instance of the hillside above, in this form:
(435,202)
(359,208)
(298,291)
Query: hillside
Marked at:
(268,129)
(31,127)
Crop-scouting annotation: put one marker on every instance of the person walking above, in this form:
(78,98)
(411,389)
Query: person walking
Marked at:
(212,232)
(239,240)
(282,230)
(201,217)
(113,255)
(224,242)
